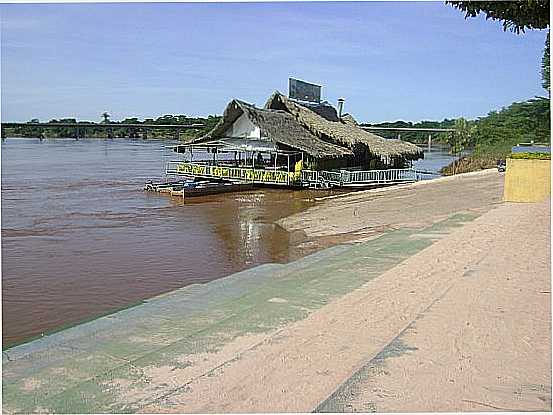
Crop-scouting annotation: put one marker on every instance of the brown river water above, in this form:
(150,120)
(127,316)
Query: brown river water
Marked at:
(80,237)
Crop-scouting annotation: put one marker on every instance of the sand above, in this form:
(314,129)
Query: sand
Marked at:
(463,325)
(418,204)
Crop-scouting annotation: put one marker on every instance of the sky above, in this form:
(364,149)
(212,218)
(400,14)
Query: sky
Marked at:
(388,60)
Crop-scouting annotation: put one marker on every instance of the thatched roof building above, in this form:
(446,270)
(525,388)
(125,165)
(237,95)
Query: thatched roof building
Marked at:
(345,132)
(316,130)
(277,126)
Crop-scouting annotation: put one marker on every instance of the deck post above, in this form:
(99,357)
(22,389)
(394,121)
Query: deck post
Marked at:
(288,169)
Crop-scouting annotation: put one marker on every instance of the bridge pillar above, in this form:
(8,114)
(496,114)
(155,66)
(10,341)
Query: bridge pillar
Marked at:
(145,134)
(77,133)
(399,136)
(429,140)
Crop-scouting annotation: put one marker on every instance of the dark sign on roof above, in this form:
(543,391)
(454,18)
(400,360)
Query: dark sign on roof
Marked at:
(304,91)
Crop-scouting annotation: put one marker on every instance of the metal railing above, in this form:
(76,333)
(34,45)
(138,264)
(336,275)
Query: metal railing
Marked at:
(352,178)
(379,176)
(313,178)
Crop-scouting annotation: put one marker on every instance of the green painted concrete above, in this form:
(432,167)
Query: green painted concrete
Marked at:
(103,365)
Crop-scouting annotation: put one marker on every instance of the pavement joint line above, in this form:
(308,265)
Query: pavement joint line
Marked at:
(350,380)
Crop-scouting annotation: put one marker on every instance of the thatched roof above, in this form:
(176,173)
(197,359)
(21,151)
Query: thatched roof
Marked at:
(344,132)
(276,126)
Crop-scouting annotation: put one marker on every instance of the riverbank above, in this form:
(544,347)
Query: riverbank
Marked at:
(365,214)
(286,337)
(471,163)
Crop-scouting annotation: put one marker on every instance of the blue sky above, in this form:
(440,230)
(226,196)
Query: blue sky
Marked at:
(389,60)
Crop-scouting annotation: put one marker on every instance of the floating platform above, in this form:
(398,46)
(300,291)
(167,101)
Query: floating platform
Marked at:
(184,188)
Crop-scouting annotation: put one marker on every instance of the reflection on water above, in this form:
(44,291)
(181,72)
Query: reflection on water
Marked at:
(81,238)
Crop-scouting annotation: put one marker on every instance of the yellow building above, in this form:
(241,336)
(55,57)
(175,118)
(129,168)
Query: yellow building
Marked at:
(528,177)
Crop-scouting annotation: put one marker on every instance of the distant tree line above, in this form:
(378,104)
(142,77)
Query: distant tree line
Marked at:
(30,130)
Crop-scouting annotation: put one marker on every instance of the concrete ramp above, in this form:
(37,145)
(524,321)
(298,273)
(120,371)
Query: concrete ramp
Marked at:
(137,357)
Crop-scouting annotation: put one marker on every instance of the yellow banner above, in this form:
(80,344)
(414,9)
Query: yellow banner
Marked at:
(252,175)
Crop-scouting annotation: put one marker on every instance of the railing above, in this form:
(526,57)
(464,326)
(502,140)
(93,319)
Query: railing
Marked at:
(247,174)
(353,178)
(379,176)
(313,178)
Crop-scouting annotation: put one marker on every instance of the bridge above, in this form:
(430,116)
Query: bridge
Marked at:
(80,127)
(411,129)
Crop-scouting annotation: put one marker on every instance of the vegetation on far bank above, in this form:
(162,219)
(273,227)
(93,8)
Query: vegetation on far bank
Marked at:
(493,136)
(116,131)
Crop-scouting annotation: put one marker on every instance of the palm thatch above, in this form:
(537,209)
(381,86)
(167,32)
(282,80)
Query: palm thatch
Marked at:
(276,126)
(344,132)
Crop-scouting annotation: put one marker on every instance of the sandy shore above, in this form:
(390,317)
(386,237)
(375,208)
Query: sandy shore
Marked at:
(418,204)
(464,325)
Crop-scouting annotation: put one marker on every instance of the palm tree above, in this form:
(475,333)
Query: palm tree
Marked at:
(106,116)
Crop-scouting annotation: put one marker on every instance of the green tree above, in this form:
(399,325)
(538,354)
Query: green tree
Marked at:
(519,122)
(545,66)
(515,15)
(105,116)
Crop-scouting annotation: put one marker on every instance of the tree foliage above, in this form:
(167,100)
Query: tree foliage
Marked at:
(463,137)
(545,66)
(517,16)
(519,122)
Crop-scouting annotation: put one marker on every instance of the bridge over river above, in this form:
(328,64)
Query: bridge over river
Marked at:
(133,130)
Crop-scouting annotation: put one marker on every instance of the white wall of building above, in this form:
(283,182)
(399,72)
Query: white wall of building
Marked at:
(243,127)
